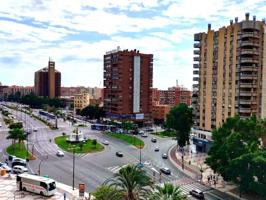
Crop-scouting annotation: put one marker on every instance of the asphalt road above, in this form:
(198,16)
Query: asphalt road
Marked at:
(94,169)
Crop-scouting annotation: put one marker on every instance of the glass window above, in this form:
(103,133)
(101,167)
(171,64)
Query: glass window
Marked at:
(52,186)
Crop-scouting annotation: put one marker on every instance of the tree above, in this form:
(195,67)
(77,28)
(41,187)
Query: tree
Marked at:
(13,135)
(132,183)
(18,125)
(236,145)
(106,192)
(127,125)
(92,112)
(180,119)
(167,192)
(94,142)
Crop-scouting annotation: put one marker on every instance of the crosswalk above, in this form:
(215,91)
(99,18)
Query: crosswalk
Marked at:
(188,187)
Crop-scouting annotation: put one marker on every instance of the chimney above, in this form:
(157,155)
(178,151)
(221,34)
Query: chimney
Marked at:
(209,27)
(236,19)
(247,16)
(231,22)
(254,18)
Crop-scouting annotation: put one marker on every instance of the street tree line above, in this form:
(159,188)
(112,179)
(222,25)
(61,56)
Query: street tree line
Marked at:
(35,101)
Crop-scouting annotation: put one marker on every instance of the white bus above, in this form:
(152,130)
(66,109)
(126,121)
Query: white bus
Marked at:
(37,184)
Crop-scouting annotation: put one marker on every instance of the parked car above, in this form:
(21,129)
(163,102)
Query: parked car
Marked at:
(15,159)
(10,157)
(105,142)
(0,125)
(156,149)
(166,171)
(60,153)
(5,166)
(19,169)
(119,154)
(197,193)
(154,140)
(164,156)
(20,163)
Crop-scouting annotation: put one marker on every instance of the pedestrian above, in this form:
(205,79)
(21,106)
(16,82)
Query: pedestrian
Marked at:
(64,196)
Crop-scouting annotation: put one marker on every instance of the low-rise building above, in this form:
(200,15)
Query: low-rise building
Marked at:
(159,112)
(7,90)
(81,101)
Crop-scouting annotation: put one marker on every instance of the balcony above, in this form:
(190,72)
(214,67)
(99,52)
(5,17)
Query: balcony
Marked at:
(197,45)
(196,72)
(248,69)
(248,60)
(196,58)
(245,102)
(248,77)
(250,25)
(196,66)
(196,52)
(195,78)
(246,85)
(197,36)
(249,43)
(244,110)
(250,34)
(249,52)
(244,94)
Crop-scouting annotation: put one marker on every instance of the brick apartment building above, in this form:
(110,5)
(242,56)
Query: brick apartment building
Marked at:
(128,77)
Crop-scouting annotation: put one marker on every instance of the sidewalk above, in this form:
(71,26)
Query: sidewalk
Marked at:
(8,191)
(193,165)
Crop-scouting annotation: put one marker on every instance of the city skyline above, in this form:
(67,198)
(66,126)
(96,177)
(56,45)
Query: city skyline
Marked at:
(77,35)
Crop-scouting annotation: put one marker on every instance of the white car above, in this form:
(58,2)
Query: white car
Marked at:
(105,142)
(19,169)
(60,153)
(0,125)
(35,129)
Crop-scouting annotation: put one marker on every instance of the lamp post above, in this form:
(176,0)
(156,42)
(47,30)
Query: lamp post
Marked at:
(39,170)
(140,152)
(73,181)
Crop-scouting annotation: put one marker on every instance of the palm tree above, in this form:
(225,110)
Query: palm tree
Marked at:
(106,192)
(21,137)
(167,192)
(132,183)
(13,135)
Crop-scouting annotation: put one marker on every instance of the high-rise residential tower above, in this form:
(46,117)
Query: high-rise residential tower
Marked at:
(128,84)
(47,82)
(229,74)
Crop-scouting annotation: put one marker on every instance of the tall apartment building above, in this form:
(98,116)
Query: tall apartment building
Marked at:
(128,84)
(47,82)
(229,74)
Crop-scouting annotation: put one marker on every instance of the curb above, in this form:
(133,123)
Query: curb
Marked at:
(178,164)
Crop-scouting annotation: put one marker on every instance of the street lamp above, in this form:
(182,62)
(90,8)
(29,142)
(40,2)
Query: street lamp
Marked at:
(73,169)
(39,170)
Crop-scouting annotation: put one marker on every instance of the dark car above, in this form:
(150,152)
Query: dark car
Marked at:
(164,156)
(166,171)
(197,193)
(154,140)
(119,154)
(10,157)
(20,163)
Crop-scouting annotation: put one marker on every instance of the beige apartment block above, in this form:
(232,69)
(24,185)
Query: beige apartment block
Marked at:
(229,73)
(81,101)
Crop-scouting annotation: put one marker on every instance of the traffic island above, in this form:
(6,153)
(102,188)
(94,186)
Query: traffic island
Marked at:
(128,139)
(20,151)
(86,146)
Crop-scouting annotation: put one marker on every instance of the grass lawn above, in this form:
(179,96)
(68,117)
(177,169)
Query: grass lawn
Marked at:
(20,152)
(81,147)
(128,138)
(165,134)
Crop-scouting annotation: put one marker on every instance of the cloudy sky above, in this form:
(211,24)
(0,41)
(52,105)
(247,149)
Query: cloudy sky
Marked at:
(77,33)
